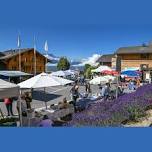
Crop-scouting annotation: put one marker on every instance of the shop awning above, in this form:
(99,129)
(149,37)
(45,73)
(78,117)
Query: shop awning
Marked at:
(14,73)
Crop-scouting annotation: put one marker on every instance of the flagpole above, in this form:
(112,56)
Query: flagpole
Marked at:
(19,52)
(46,63)
(34,57)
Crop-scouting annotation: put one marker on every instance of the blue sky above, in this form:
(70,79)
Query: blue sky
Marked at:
(76,29)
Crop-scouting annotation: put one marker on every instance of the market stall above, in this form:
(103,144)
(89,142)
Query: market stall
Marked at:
(61,73)
(43,80)
(8,90)
(128,75)
(103,80)
(101,69)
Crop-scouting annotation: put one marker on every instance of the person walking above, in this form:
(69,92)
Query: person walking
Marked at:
(75,95)
(88,88)
(28,100)
(8,103)
(138,83)
(23,106)
(107,91)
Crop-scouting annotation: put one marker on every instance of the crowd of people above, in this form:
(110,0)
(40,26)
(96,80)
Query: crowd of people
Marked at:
(26,100)
(134,84)
(107,91)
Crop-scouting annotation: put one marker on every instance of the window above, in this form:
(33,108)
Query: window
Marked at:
(144,56)
(144,66)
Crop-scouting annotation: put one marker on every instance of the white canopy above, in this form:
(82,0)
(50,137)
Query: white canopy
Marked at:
(109,77)
(103,80)
(72,72)
(61,73)
(62,81)
(43,80)
(99,80)
(8,89)
(102,68)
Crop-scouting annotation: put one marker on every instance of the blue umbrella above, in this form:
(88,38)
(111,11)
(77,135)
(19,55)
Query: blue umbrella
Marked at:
(131,73)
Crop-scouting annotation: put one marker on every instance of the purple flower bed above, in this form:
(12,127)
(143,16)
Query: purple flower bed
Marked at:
(114,113)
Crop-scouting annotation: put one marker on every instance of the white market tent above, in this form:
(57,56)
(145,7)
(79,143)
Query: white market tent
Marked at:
(72,72)
(43,80)
(62,81)
(99,80)
(109,77)
(101,68)
(8,89)
(103,80)
(61,73)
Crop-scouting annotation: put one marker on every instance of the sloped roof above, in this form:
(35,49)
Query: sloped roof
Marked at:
(134,50)
(106,58)
(13,52)
(1,54)
(14,73)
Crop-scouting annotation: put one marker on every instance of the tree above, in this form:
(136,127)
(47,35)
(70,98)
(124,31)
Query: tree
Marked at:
(87,70)
(86,66)
(88,73)
(63,64)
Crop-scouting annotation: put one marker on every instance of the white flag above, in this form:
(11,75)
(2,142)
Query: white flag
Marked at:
(46,46)
(18,41)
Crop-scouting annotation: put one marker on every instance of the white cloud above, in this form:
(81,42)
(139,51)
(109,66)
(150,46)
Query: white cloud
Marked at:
(91,60)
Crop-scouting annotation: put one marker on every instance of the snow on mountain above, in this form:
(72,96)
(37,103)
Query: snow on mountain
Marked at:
(90,60)
(53,58)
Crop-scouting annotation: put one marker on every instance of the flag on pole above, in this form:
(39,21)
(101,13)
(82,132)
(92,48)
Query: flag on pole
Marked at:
(19,60)
(46,46)
(18,41)
(46,50)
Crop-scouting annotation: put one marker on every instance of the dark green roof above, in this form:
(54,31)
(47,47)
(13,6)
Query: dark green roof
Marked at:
(134,50)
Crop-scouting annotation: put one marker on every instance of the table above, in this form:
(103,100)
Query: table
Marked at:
(32,120)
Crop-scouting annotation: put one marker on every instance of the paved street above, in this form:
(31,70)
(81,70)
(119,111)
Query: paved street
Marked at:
(58,94)
(52,96)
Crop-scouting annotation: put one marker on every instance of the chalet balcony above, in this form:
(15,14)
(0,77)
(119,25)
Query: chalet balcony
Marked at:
(135,63)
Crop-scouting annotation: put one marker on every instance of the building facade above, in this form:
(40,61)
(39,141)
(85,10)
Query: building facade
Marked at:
(10,59)
(106,59)
(134,57)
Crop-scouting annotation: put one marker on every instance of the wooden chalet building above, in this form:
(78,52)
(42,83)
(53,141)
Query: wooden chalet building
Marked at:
(106,60)
(135,56)
(139,57)
(9,60)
